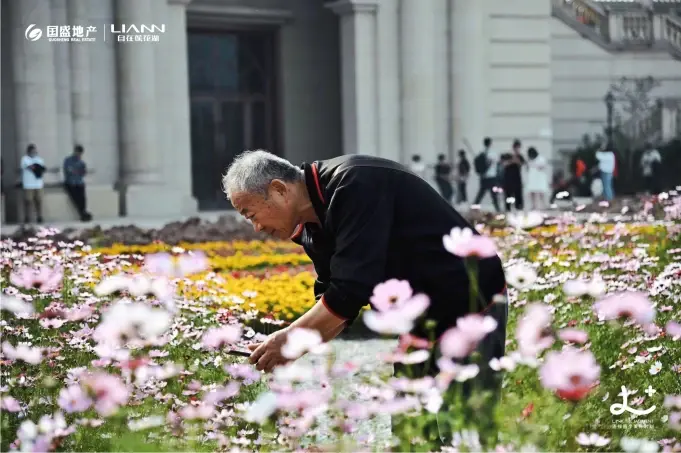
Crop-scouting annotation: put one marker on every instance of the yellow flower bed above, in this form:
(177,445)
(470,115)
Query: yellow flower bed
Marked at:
(284,296)
(210,248)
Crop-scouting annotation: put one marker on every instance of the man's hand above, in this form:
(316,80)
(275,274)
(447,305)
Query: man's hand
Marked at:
(267,355)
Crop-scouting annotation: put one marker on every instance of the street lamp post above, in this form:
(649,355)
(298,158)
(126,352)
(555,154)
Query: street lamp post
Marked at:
(610,105)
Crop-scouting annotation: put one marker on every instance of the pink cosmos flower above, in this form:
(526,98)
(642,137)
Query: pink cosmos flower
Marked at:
(74,399)
(218,337)
(570,373)
(23,352)
(399,318)
(302,399)
(534,332)
(390,292)
(573,335)
(675,421)
(672,401)
(16,306)
(411,358)
(108,391)
(630,304)
(460,341)
(673,329)
(243,371)
(299,341)
(407,341)
(187,264)
(200,412)
(222,393)
(10,404)
(43,279)
(462,242)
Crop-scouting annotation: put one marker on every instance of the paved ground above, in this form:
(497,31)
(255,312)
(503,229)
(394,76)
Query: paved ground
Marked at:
(377,431)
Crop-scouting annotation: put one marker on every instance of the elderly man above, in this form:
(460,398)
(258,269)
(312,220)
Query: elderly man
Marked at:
(362,220)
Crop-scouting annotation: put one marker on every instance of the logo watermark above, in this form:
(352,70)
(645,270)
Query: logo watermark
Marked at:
(635,421)
(135,33)
(32,33)
(87,33)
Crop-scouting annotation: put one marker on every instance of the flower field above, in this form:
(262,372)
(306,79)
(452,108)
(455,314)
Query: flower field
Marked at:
(126,349)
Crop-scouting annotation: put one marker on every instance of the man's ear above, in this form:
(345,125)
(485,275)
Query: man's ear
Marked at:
(278,186)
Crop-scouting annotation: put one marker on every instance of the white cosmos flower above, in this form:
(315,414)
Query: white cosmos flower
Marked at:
(521,276)
(262,408)
(525,220)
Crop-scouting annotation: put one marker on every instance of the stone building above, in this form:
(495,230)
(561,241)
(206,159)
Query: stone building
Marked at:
(164,93)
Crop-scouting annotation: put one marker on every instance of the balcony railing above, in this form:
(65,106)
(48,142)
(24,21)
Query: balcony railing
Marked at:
(634,28)
(586,12)
(671,32)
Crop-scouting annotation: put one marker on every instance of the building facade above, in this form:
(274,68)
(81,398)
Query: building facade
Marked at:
(161,119)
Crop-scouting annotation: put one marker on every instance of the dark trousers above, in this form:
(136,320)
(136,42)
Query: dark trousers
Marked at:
(516,191)
(445,189)
(651,185)
(487,381)
(487,185)
(462,195)
(76,193)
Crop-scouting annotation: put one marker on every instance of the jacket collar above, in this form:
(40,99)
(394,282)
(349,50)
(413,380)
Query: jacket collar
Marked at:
(316,189)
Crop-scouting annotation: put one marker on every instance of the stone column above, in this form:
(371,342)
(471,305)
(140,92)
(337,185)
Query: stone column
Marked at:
(358,69)
(388,76)
(34,82)
(62,72)
(469,80)
(137,96)
(418,82)
(178,79)
(80,77)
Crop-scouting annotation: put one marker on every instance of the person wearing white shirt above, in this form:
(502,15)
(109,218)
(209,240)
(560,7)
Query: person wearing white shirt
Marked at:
(485,165)
(606,166)
(32,170)
(650,164)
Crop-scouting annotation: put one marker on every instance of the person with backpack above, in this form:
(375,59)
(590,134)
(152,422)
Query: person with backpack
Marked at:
(485,165)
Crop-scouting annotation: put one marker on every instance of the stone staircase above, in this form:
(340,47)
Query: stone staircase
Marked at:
(625,26)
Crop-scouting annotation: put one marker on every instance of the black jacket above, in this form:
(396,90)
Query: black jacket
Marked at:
(381,221)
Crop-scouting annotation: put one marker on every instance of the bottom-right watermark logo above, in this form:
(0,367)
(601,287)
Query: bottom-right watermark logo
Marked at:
(636,419)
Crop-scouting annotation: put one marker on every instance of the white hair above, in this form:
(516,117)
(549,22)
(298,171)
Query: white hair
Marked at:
(253,171)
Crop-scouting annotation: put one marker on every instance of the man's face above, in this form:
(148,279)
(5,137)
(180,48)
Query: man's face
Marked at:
(273,214)
(32,152)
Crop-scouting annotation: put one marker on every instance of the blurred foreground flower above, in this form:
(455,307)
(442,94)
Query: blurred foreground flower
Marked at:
(521,276)
(570,373)
(399,318)
(16,306)
(130,321)
(524,220)
(534,332)
(165,265)
(460,341)
(43,279)
(578,288)
(626,305)
(463,243)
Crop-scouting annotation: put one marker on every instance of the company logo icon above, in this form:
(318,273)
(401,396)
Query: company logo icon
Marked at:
(32,33)
(620,408)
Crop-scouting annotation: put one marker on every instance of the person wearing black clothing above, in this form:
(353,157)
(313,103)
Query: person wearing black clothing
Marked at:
(443,176)
(74,182)
(512,180)
(464,171)
(362,220)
